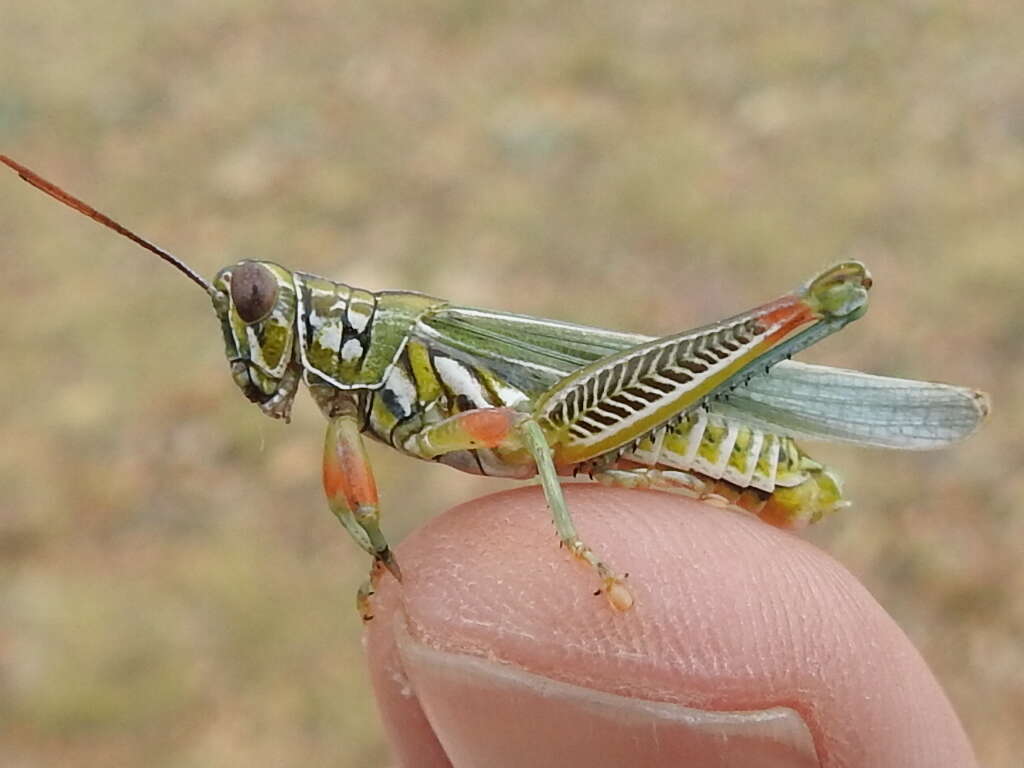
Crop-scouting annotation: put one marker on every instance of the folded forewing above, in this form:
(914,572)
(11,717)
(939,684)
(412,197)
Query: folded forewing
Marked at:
(530,353)
(796,399)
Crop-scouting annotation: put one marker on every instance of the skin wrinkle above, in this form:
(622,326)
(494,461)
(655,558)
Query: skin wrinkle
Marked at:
(650,651)
(635,711)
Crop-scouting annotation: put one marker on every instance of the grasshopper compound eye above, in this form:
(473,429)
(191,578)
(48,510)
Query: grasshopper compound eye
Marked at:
(253,291)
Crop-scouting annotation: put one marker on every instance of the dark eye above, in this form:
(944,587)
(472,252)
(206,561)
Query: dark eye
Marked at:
(253,291)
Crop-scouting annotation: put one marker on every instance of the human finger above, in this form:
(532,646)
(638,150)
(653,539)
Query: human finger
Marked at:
(746,646)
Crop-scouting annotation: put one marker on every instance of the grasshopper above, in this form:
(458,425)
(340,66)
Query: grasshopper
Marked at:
(712,412)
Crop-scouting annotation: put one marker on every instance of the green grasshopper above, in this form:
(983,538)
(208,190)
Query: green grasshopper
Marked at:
(711,412)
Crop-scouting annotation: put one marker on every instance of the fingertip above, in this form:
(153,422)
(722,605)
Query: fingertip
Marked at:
(729,615)
(408,730)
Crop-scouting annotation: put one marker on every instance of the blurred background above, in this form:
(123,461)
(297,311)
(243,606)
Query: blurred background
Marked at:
(173,591)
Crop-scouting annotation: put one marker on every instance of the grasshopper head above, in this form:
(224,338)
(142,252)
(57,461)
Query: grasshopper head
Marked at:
(841,291)
(255,301)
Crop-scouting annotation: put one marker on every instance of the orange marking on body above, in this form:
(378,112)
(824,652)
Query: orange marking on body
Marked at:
(488,426)
(778,515)
(347,474)
(791,314)
(751,500)
(360,487)
(333,477)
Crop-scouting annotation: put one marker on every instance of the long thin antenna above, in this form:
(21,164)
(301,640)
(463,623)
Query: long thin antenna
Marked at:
(56,192)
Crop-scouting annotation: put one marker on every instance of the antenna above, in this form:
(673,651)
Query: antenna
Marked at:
(57,193)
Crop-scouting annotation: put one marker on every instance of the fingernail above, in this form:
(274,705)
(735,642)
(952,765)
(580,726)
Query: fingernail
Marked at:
(485,712)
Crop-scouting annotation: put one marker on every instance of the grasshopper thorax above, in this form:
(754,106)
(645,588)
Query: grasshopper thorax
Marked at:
(256,304)
(280,326)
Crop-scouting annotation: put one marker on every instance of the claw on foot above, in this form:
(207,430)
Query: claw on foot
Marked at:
(387,559)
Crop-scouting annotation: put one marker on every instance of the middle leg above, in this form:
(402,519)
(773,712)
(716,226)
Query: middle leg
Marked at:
(613,586)
(513,431)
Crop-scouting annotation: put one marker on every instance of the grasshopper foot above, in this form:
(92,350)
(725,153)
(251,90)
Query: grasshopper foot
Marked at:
(363,600)
(615,592)
(367,590)
(613,587)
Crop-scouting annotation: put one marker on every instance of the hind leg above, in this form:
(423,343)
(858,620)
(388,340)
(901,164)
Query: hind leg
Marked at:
(660,480)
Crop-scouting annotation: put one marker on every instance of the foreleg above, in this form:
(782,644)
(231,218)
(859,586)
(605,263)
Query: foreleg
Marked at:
(352,493)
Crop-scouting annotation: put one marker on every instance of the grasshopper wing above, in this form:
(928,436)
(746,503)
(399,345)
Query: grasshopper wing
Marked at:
(813,402)
(530,353)
(822,403)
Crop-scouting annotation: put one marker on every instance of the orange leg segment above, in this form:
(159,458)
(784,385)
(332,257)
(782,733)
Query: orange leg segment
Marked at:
(480,428)
(350,488)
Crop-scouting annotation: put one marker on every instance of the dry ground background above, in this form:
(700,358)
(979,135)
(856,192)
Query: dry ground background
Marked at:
(172,589)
